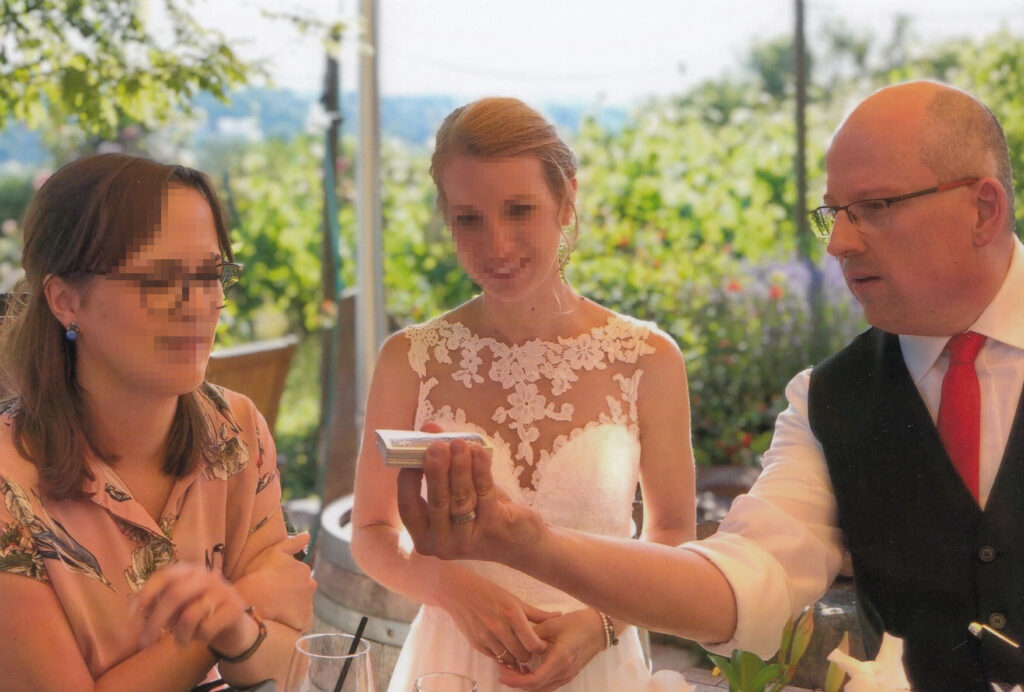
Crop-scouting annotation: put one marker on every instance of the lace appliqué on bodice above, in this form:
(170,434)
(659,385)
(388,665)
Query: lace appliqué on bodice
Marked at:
(538,377)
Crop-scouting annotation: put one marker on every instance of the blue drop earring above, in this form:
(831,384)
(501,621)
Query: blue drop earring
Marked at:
(72,332)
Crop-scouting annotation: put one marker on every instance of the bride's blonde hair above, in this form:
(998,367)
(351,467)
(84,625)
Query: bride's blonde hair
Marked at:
(499,127)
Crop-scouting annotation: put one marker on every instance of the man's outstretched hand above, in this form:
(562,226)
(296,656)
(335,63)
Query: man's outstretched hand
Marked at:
(465,515)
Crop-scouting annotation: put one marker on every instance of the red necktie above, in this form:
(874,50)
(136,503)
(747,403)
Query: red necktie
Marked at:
(960,408)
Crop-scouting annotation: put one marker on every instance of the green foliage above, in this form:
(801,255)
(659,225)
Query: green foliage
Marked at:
(101,65)
(422,277)
(991,70)
(687,219)
(687,206)
(15,193)
(295,432)
(748,673)
(273,195)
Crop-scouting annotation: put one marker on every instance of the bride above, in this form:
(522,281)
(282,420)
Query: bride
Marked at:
(578,403)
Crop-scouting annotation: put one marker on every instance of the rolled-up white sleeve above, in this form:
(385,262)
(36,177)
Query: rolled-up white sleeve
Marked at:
(779,546)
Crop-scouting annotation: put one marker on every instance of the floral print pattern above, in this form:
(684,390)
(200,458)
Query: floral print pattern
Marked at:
(95,551)
(150,554)
(28,539)
(18,554)
(115,493)
(264,479)
(48,537)
(228,455)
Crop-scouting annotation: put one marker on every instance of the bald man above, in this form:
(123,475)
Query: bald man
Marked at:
(906,449)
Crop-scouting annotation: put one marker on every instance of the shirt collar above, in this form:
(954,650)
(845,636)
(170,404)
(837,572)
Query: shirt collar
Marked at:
(1000,321)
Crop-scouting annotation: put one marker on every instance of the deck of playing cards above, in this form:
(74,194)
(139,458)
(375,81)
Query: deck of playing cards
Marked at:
(406,448)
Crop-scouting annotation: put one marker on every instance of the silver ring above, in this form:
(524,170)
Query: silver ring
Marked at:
(500,658)
(463,518)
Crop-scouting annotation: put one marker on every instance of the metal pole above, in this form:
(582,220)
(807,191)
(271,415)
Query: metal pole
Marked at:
(330,271)
(800,65)
(815,288)
(370,321)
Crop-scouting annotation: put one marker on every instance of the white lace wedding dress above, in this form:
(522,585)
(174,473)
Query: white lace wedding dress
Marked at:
(562,420)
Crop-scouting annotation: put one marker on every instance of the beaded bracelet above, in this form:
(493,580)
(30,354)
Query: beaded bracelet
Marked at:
(609,631)
(251,612)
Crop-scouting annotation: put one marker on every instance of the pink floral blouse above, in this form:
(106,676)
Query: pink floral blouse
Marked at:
(96,552)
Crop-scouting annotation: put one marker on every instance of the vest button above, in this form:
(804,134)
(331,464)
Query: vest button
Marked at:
(997,620)
(987,553)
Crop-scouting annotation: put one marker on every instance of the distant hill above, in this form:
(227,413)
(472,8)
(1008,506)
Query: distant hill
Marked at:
(282,113)
(411,119)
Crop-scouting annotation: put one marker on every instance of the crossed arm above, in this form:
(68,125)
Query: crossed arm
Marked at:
(41,652)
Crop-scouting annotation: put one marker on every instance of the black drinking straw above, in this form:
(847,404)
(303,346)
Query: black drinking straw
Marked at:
(351,650)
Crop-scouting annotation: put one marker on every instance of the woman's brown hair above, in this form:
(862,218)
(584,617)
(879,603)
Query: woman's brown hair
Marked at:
(86,219)
(499,127)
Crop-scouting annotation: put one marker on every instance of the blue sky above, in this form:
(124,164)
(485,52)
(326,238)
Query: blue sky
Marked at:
(616,51)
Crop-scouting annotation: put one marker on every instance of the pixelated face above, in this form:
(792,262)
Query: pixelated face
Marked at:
(913,276)
(149,323)
(505,223)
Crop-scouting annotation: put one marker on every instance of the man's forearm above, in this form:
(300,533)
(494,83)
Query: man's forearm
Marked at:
(662,588)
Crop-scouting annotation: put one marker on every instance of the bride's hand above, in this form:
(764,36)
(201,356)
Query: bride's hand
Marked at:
(495,622)
(573,639)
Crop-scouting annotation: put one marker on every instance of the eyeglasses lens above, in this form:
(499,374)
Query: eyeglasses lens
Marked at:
(823,219)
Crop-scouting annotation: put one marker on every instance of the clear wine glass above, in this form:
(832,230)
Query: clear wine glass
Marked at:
(444,682)
(321,660)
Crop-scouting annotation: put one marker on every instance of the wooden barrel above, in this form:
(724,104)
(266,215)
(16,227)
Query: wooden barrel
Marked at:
(345,594)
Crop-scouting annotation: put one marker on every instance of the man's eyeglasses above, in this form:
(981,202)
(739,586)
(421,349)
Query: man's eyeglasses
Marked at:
(872,214)
(167,286)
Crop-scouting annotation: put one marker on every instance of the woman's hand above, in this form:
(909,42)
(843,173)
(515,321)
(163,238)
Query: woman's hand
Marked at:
(573,639)
(280,586)
(495,622)
(196,604)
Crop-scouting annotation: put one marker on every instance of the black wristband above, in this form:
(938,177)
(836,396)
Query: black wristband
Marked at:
(245,655)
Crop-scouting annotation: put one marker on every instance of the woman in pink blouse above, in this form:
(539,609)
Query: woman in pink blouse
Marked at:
(141,533)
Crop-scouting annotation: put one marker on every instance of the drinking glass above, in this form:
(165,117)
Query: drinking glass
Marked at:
(319,659)
(444,682)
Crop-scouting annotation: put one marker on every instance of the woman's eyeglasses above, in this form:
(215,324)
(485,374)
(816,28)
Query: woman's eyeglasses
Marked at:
(168,286)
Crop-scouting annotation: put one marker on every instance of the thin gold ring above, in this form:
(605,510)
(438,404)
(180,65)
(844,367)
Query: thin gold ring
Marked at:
(463,518)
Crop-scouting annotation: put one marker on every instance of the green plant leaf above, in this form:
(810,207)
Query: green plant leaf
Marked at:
(802,631)
(835,676)
(725,666)
(750,669)
(787,641)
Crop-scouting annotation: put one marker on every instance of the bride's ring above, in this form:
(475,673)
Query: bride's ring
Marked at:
(462,519)
(500,658)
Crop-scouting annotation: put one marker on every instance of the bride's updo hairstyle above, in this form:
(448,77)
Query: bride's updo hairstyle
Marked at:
(499,127)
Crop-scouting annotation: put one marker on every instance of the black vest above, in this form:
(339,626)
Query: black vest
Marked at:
(927,560)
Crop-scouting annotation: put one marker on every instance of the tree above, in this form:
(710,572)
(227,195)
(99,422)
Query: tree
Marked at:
(101,65)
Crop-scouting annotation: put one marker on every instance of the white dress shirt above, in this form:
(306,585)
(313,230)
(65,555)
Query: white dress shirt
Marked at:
(780,545)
